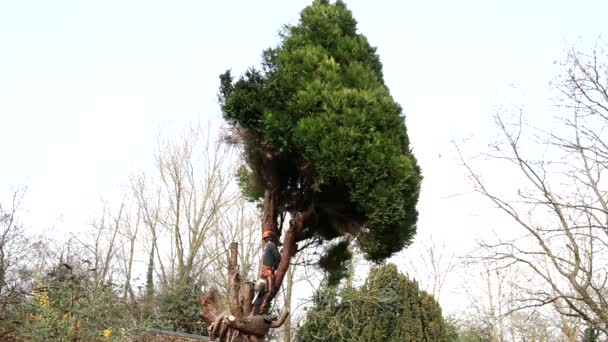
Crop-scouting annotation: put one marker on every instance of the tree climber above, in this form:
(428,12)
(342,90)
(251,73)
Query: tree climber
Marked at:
(270,261)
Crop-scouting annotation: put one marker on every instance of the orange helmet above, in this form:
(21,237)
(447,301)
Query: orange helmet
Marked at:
(267,233)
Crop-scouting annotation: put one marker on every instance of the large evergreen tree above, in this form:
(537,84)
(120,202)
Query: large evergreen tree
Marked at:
(388,307)
(320,128)
(324,141)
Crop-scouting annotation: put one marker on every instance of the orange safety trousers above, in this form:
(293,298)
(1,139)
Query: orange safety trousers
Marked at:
(268,276)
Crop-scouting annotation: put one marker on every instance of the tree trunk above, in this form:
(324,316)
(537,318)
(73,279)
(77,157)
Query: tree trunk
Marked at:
(269,211)
(296,226)
(236,324)
(246,297)
(254,328)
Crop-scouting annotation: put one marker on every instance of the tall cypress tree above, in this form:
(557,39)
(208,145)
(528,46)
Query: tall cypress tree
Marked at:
(324,141)
(321,131)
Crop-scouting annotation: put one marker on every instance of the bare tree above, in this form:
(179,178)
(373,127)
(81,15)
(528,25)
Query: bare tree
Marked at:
(149,202)
(494,313)
(182,205)
(558,199)
(239,224)
(486,291)
(129,232)
(12,242)
(295,275)
(101,244)
(197,193)
(287,331)
(431,266)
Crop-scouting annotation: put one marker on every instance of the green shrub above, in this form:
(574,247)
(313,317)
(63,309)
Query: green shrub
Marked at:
(68,306)
(178,308)
(388,307)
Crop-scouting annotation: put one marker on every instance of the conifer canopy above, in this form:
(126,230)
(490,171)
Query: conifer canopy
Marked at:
(318,120)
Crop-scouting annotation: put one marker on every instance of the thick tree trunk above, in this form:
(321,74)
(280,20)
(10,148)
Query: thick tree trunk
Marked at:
(269,211)
(269,218)
(241,325)
(246,298)
(296,226)
(255,325)
(237,323)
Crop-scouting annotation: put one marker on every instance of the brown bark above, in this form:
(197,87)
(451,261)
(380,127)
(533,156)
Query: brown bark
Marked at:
(234,281)
(247,297)
(221,324)
(225,325)
(289,250)
(269,211)
(254,325)
(296,226)
(210,308)
(251,327)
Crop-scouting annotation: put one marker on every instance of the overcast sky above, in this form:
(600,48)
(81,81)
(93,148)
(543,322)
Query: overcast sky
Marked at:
(86,86)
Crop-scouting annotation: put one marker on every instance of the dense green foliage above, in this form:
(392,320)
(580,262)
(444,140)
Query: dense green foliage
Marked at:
(333,260)
(388,307)
(66,305)
(591,335)
(320,116)
(179,310)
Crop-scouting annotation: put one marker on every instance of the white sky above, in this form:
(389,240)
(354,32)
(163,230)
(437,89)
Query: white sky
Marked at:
(86,86)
